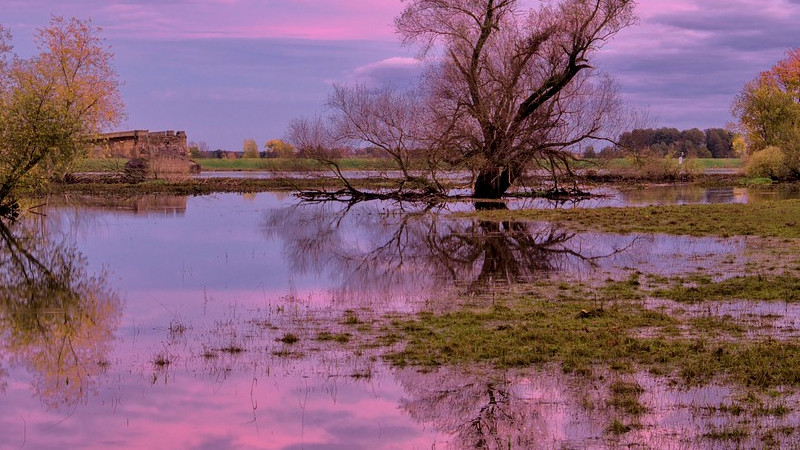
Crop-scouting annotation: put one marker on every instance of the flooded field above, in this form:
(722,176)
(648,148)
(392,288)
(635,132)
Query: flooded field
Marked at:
(255,321)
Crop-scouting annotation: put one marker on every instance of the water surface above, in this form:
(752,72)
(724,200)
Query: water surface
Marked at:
(157,320)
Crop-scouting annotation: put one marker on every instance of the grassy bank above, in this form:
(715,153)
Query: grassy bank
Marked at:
(767,219)
(291,164)
(211,185)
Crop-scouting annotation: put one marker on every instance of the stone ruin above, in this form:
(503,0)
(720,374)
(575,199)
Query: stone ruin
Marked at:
(156,154)
(142,144)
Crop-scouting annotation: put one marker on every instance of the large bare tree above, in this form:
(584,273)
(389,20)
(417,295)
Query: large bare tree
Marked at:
(507,88)
(515,87)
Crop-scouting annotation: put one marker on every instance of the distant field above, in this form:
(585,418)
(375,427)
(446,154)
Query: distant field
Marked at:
(287,164)
(214,164)
(720,163)
(701,163)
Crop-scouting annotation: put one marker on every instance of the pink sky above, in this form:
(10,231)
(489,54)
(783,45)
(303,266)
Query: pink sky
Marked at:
(226,70)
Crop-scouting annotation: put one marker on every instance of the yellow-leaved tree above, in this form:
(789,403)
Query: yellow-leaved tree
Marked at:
(768,109)
(250,148)
(52,104)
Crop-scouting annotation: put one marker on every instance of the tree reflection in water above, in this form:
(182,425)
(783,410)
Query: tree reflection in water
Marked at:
(58,321)
(481,412)
(378,247)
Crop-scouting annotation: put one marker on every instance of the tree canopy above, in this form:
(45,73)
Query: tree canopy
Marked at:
(507,88)
(277,148)
(768,109)
(52,103)
(250,148)
(710,143)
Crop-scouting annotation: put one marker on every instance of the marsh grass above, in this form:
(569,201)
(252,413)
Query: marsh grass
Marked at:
(341,338)
(162,361)
(202,186)
(728,434)
(289,338)
(526,330)
(618,427)
(232,349)
(766,219)
(754,287)
(624,397)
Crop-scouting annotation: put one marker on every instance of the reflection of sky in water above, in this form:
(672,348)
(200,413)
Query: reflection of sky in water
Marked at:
(227,259)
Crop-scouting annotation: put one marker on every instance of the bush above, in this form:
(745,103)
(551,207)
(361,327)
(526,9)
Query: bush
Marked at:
(136,170)
(658,168)
(768,163)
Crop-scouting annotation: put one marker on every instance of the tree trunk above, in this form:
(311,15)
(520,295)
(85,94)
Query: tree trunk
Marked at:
(493,182)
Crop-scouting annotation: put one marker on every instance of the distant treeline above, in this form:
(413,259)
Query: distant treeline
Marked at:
(711,143)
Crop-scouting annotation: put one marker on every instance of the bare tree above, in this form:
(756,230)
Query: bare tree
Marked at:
(392,121)
(506,89)
(516,85)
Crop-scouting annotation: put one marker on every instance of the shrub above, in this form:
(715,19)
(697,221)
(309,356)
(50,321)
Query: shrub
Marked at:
(768,163)
(666,168)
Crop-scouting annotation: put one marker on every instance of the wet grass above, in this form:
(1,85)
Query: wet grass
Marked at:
(728,434)
(211,185)
(527,330)
(764,288)
(618,427)
(289,338)
(766,219)
(232,349)
(161,361)
(625,397)
(341,338)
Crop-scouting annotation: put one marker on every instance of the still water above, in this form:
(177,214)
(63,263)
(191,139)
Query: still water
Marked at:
(160,322)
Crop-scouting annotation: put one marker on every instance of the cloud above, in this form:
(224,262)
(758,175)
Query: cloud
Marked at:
(397,71)
(246,67)
(688,59)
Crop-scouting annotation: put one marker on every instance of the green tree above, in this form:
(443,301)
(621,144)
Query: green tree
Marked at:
(250,148)
(719,142)
(768,109)
(52,104)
